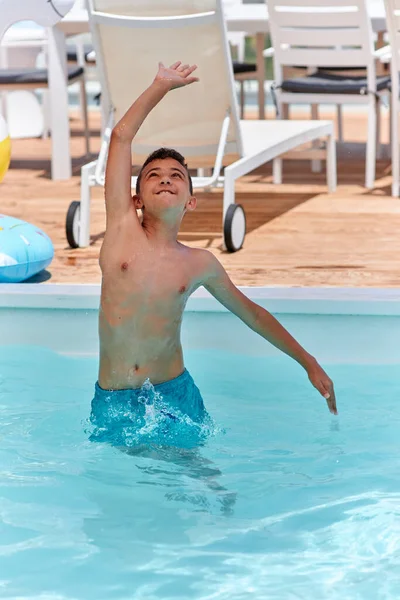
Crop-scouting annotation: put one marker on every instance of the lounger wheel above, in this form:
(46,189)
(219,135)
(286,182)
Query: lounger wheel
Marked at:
(234,227)
(73,223)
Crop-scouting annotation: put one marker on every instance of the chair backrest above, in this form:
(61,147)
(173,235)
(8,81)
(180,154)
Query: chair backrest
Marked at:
(44,12)
(393,26)
(130,38)
(321,33)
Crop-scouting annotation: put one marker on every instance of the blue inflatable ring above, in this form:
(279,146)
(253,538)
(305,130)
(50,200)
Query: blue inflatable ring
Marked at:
(24,250)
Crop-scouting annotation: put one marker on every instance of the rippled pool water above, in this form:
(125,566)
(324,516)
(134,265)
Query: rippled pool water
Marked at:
(281,501)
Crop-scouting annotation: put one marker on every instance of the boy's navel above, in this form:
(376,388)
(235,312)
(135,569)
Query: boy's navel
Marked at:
(182,289)
(124,266)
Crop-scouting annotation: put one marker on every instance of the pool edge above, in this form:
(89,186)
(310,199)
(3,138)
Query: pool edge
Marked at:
(283,300)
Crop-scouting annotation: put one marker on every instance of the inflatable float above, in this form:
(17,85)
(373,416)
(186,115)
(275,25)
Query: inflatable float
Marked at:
(25,250)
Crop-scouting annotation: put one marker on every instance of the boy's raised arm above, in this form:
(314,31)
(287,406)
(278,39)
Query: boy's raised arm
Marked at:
(119,163)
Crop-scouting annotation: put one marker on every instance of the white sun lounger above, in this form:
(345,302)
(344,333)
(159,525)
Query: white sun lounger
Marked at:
(200,121)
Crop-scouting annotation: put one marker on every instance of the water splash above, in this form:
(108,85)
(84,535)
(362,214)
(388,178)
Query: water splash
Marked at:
(149,419)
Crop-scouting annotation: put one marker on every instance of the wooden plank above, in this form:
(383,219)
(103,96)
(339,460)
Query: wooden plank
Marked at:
(297,235)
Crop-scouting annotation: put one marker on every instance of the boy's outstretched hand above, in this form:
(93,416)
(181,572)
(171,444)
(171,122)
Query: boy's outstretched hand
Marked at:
(177,75)
(323,384)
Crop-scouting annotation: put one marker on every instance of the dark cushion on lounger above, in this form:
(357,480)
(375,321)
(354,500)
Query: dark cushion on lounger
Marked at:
(239,67)
(72,55)
(32,76)
(329,83)
(390,86)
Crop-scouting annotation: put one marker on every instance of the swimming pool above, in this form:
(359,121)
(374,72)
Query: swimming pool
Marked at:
(282,501)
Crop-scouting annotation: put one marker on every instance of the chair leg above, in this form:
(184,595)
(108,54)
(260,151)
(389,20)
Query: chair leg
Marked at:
(371,145)
(331,172)
(46,114)
(394,134)
(390,121)
(242,99)
(277,171)
(277,163)
(84,226)
(229,192)
(84,109)
(316,165)
(340,122)
(379,148)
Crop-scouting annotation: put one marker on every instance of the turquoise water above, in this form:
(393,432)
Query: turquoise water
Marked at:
(281,501)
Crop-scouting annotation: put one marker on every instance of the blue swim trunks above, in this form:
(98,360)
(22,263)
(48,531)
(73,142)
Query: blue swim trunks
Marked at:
(168,413)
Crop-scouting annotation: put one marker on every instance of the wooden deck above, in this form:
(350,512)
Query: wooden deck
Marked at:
(297,234)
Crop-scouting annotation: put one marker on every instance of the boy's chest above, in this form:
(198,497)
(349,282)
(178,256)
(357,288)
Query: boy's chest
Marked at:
(150,277)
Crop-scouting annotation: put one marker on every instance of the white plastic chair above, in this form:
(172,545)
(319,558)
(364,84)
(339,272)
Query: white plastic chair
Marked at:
(33,78)
(393,24)
(237,40)
(323,35)
(200,121)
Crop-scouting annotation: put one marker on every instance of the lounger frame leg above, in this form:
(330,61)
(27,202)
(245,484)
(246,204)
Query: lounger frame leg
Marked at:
(340,122)
(84,109)
(394,135)
(379,149)
(87,181)
(283,110)
(371,144)
(277,171)
(46,113)
(316,165)
(229,198)
(229,193)
(331,172)
(242,99)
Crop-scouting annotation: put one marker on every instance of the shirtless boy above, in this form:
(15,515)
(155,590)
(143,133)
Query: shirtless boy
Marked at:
(148,275)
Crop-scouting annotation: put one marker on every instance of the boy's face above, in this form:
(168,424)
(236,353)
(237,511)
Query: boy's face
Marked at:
(164,188)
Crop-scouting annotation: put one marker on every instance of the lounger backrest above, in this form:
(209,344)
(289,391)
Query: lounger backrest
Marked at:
(393,25)
(131,37)
(321,33)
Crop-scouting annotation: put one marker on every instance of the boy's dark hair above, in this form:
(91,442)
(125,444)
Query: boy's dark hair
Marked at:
(161,154)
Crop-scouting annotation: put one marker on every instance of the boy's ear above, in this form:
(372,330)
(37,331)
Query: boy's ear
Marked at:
(137,201)
(191,203)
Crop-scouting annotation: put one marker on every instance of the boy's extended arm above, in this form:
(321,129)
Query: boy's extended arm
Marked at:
(119,163)
(218,283)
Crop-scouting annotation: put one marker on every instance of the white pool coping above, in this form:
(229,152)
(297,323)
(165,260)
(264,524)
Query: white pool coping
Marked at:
(283,300)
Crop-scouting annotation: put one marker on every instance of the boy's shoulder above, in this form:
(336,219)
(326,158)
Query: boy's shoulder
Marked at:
(200,256)
(202,262)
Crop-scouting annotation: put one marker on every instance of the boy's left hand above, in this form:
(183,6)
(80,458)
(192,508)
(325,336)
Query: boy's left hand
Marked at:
(177,75)
(323,384)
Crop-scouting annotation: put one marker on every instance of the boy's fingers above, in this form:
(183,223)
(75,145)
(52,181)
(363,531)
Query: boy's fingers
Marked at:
(189,69)
(175,65)
(182,68)
(332,406)
(322,388)
(186,73)
(332,403)
(192,79)
(330,398)
(327,392)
